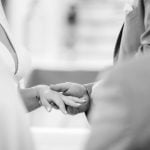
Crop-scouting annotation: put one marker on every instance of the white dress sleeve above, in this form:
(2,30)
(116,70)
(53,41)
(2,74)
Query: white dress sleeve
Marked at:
(14,128)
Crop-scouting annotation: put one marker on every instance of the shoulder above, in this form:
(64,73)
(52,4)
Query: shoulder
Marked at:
(24,62)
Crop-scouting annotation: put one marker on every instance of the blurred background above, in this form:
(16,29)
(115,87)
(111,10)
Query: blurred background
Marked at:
(69,40)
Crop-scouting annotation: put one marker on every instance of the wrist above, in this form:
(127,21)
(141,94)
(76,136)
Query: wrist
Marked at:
(87,92)
(88,105)
(37,94)
(35,98)
(89,88)
(29,97)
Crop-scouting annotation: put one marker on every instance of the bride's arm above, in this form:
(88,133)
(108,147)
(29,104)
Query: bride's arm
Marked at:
(33,96)
(29,96)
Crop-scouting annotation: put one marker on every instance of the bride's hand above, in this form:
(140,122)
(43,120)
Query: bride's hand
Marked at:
(49,97)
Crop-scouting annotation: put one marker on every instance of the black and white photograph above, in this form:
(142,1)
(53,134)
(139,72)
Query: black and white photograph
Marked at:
(74,75)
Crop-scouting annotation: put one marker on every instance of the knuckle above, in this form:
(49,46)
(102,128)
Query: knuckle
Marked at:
(68,83)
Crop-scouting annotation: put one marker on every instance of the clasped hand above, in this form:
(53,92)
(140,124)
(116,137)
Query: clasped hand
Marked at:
(70,98)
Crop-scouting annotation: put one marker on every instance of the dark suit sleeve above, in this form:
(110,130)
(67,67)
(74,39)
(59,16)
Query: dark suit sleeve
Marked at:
(117,45)
(108,115)
(120,117)
(145,37)
(89,87)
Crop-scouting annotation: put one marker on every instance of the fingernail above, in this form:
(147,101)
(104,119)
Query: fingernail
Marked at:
(65,112)
(83,100)
(78,104)
(48,109)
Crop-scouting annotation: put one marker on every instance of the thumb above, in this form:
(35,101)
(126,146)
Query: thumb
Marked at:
(68,92)
(61,87)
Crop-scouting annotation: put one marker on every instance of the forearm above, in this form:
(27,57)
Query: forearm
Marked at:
(29,98)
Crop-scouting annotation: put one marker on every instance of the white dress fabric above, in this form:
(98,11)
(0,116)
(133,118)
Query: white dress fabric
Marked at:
(24,61)
(14,128)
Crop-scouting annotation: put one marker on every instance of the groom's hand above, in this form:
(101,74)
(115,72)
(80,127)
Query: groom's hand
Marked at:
(76,90)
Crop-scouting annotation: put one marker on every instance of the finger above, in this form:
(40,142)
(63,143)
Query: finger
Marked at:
(55,98)
(72,110)
(61,87)
(54,105)
(68,101)
(76,99)
(67,93)
(45,103)
(61,106)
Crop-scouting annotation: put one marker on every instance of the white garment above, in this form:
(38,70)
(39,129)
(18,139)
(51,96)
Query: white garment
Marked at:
(24,61)
(14,129)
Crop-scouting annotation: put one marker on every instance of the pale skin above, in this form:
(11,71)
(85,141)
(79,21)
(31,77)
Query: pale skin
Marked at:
(48,99)
(76,90)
